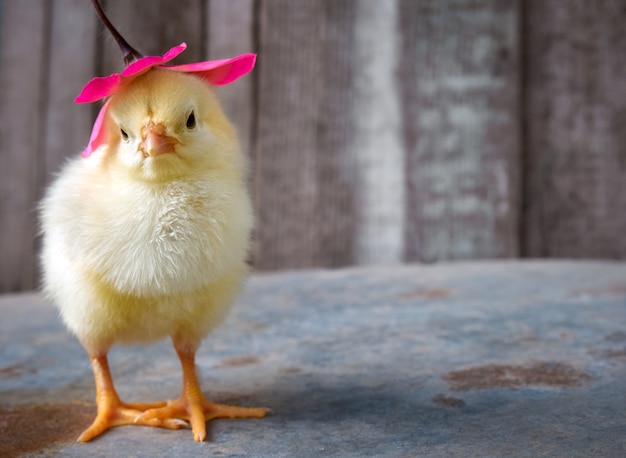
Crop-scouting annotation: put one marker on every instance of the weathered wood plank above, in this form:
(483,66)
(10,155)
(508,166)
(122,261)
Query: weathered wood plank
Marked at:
(336,195)
(229,26)
(459,80)
(576,113)
(304,184)
(288,75)
(376,149)
(153,28)
(23,65)
(71,66)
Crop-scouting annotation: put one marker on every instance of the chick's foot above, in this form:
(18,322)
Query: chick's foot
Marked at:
(112,411)
(193,406)
(197,412)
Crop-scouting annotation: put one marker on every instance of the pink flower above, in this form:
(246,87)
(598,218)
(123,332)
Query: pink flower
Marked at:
(217,72)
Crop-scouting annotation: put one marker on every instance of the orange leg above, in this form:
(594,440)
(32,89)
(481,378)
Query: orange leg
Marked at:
(112,411)
(193,406)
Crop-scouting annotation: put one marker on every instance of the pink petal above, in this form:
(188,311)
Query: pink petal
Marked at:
(101,87)
(175,51)
(219,72)
(98,88)
(97,138)
(143,64)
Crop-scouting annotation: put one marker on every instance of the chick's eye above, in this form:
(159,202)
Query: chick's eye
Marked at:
(124,134)
(191,121)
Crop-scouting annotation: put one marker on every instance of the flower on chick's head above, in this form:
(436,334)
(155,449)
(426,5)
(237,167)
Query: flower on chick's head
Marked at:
(216,72)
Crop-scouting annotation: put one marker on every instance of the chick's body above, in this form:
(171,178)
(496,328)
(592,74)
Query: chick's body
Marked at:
(137,262)
(148,237)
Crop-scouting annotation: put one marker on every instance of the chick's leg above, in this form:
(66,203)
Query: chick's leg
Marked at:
(194,407)
(114,412)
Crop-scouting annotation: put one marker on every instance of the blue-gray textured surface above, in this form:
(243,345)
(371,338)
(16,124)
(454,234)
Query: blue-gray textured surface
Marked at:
(466,359)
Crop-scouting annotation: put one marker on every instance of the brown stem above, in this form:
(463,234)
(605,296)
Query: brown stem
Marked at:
(130,53)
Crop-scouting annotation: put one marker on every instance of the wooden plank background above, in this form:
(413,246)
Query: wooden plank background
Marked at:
(381,131)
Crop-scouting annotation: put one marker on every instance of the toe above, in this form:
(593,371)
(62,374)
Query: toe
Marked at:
(96,428)
(169,414)
(225,411)
(143,406)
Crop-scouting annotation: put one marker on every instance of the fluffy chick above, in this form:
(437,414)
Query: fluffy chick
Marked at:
(148,238)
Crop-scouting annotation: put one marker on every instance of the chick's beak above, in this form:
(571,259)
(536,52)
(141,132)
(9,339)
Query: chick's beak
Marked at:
(155,141)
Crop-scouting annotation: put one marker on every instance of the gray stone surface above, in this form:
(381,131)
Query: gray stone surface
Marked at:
(467,359)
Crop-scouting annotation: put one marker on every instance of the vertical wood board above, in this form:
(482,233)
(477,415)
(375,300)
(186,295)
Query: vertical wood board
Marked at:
(336,209)
(152,28)
(575,115)
(460,83)
(23,66)
(230,26)
(289,73)
(376,150)
(72,64)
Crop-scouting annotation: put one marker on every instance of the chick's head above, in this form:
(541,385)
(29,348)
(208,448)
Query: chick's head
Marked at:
(165,125)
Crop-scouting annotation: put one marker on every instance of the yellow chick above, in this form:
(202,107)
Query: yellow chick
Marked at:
(147,238)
